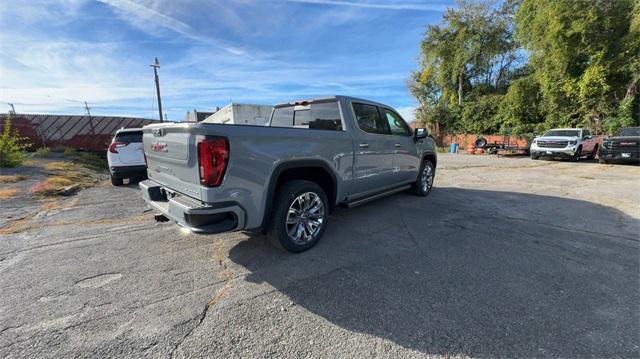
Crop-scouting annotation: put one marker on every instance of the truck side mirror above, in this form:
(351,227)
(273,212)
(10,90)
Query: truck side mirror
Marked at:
(420,133)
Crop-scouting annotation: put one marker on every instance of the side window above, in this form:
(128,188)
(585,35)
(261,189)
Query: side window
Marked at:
(396,124)
(316,116)
(368,119)
(325,116)
(586,133)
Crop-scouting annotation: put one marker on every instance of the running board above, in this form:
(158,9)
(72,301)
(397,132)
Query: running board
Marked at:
(376,196)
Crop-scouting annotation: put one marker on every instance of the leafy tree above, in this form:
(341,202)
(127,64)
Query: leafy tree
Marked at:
(469,55)
(11,146)
(584,56)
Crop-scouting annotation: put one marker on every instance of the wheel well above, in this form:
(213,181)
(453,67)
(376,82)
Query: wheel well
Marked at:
(432,158)
(311,172)
(318,175)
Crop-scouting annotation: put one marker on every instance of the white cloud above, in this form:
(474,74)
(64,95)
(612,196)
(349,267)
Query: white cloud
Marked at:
(421,6)
(148,17)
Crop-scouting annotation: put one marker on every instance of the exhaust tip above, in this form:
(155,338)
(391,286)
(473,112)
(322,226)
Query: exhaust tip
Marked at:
(161,218)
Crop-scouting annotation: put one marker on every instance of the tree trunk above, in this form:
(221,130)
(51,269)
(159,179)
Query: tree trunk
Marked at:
(460,81)
(631,88)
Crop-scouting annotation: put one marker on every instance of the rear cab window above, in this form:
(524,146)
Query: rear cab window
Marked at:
(315,116)
(128,137)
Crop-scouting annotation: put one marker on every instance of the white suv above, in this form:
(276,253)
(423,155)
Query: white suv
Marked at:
(572,143)
(126,156)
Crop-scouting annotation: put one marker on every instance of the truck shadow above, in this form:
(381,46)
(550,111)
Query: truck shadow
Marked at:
(470,272)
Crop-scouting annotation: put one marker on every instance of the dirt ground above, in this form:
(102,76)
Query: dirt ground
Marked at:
(506,257)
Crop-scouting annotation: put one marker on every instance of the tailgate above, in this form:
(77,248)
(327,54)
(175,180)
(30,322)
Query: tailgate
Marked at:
(171,157)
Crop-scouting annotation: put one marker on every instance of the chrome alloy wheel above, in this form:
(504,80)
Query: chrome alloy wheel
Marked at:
(426,180)
(305,217)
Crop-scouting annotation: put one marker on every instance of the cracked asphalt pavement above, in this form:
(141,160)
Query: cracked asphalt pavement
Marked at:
(507,257)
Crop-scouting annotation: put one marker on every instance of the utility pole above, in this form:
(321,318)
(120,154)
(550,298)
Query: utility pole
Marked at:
(93,129)
(155,66)
(13,109)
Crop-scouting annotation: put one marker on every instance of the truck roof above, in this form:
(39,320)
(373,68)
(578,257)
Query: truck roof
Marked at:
(327,98)
(566,128)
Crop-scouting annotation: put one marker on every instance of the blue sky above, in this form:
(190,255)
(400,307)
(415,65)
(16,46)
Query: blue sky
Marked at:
(56,54)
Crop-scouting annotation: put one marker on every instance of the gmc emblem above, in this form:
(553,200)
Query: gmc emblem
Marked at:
(159,147)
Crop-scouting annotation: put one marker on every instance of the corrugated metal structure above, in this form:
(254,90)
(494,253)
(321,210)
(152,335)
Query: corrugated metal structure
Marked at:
(90,133)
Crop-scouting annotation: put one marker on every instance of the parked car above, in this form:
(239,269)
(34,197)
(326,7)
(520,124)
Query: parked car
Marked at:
(568,143)
(624,147)
(284,178)
(126,156)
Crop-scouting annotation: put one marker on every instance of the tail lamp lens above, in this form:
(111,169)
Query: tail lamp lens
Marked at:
(115,145)
(213,155)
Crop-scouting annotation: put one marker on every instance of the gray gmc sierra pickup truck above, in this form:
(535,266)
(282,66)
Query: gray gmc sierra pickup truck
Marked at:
(284,178)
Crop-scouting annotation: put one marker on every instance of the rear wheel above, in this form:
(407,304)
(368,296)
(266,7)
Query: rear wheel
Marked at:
(300,216)
(424,182)
(602,160)
(116,181)
(534,157)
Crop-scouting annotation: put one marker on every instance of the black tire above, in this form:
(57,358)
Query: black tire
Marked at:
(593,153)
(576,156)
(116,181)
(603,161)
(285,198)
(418,187)
(534,157)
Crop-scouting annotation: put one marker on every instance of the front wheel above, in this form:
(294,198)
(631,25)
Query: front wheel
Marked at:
(300,216)
(576,156)
(424,182)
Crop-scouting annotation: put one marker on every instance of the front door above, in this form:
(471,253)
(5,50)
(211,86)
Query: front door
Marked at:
(374,150)
(405,160)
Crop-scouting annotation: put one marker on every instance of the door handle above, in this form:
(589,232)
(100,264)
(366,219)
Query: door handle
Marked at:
(398,145)
(364,145)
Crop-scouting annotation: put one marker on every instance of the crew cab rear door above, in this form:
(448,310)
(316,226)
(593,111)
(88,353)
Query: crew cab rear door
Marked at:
(374,150)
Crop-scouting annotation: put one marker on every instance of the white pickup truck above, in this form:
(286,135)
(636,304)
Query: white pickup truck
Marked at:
(569,143)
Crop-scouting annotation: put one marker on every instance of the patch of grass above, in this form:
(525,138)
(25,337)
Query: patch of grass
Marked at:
(12,178)
(66,178)
(17,226)
(68,151)
(91,161)
(8,193)
(42,152)
(586,177)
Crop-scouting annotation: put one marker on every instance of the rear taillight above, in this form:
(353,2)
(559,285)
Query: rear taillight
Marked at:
(213,155)
(114,145)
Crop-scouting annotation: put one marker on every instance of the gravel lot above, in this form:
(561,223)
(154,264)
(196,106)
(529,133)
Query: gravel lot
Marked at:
(506,257)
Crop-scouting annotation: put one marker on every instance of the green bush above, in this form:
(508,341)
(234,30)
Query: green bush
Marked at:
(42,152)
(12,146)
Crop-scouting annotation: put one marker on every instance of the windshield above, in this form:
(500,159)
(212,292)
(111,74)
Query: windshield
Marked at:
(563,133)
(631,131)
